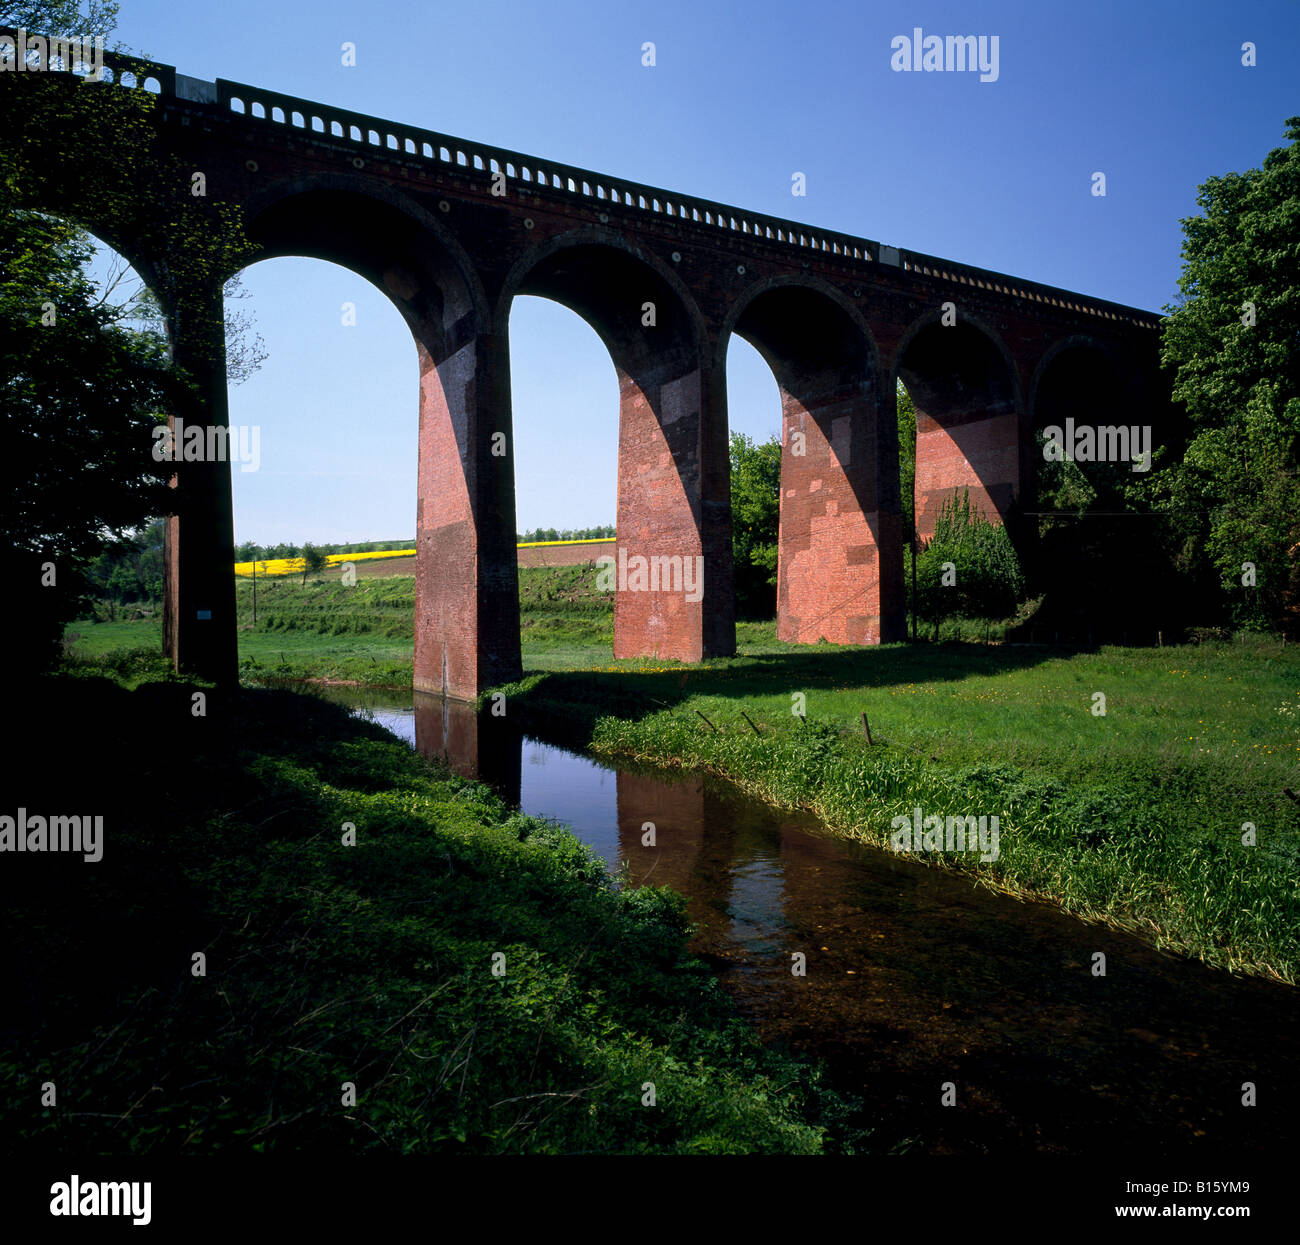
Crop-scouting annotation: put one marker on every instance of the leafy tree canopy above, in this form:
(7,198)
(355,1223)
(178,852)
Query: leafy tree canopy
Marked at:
(81,398)
(1233,340)
(80,394)
(755,521)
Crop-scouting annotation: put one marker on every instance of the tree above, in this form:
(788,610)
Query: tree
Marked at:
(131,569)
(755,522)
(81,395)
(61,17)
(1233,338)
(969,567)
(134,304)
(81,398)
(906,458)
(130,300)
(313,561)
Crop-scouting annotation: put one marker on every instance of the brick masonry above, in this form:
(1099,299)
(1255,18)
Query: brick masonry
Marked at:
(838,318)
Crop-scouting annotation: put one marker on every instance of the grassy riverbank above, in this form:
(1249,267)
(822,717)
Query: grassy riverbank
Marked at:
(1134,818)
(329,965)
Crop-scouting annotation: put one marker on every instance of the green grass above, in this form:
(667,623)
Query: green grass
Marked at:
(329,964)
(364,633)
(95,639)
(1134,818)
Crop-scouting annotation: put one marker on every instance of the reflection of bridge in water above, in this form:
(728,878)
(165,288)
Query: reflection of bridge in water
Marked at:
(693,852)
(915,976)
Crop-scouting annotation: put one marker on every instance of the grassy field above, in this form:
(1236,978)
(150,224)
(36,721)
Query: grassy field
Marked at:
(1135,817)
(364,633)
(328,964)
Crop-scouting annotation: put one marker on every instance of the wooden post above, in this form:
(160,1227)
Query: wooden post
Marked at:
(711,726)
(866,726)
(757,732)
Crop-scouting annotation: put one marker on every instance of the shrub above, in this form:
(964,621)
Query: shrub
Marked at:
(985,581)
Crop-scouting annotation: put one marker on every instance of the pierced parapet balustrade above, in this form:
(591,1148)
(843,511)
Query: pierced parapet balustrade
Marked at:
(549,178)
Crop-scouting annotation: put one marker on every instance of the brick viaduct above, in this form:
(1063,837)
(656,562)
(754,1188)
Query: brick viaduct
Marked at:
(839,319)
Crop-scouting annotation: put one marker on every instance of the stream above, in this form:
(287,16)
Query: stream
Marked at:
(916,977)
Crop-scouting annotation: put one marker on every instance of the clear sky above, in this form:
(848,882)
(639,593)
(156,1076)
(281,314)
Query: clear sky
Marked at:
(1151,92)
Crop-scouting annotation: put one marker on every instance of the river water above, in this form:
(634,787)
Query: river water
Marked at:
(916,978)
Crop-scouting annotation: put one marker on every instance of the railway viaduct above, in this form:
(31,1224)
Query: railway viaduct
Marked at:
(453,231)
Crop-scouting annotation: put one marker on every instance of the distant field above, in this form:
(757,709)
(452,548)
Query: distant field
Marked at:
(275,567)
(376,568)
(325,629)
(384,562)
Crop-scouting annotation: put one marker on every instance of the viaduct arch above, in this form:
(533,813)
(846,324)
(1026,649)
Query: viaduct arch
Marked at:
(452,231)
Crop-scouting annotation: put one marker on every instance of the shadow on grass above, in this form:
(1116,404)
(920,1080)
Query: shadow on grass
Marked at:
(631,694)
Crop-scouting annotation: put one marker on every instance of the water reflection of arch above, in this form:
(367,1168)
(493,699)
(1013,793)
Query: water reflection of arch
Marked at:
(693,851)
(473,744)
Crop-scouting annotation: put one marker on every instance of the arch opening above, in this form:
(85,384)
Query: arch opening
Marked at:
(671,573)
(754,435)
(329,420)
(466,622)
(106,545)
(839,564)
(564,411)
(968,427)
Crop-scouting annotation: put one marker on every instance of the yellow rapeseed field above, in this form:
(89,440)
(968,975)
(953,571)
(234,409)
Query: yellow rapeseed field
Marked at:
(290,566)
(287,566)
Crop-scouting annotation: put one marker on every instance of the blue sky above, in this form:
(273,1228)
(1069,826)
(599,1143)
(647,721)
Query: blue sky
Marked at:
(996,174)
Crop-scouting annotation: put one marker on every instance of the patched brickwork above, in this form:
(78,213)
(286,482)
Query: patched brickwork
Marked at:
(982,456)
